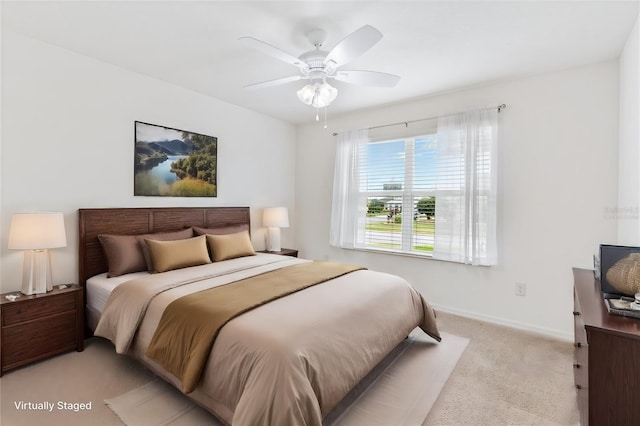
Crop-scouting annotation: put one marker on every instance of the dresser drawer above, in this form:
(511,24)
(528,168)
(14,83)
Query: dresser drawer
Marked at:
(38,308)
(580,361)
(581,367)
(38,339)
(580,333)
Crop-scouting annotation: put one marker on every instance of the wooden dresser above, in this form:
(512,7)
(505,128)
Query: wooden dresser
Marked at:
(607,358)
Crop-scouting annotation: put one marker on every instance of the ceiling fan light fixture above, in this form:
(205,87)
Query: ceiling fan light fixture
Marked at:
(317,95)
(325,95)
(306,94)
(316,66)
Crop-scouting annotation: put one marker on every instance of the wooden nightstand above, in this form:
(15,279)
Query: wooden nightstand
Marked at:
(282,252)
(38,326)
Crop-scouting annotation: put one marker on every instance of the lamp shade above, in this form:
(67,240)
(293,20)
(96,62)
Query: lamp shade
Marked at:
(275,217)
(37,231)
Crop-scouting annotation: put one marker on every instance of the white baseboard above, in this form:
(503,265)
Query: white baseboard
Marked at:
(547,332)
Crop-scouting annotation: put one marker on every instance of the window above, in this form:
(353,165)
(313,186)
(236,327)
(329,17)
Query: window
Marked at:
(430,191)
(398,179)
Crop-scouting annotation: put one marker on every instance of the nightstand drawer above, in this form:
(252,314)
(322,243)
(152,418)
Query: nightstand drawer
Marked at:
(38,308)
(38,339)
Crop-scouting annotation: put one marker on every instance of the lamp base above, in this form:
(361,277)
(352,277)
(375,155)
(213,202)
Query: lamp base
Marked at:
(273,239)
(36,272)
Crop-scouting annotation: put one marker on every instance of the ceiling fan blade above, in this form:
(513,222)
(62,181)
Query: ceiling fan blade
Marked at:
(275,82)
(368,78)
(272,51)
(353,45)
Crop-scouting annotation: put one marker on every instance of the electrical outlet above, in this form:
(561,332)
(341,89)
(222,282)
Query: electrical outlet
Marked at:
(521,289)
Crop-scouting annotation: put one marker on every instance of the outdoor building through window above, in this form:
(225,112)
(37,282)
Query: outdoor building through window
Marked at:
(425,189)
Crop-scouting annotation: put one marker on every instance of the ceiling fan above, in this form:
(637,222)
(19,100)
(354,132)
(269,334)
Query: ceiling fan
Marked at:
(318,66)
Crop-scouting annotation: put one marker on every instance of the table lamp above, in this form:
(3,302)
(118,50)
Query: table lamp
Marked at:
(35,233)
(274,218)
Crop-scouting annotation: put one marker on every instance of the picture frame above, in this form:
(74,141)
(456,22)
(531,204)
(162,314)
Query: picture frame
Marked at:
(170,162)
(609,257)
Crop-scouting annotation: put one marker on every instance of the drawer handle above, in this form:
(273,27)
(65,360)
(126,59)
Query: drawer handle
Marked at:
(577,345)
(578,387)
(576,313)
(576,365)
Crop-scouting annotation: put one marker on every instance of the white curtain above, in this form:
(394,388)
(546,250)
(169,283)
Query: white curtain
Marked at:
(466,189)
(348,207)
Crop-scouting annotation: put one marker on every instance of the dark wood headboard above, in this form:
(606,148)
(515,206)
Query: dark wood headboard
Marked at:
(134,221)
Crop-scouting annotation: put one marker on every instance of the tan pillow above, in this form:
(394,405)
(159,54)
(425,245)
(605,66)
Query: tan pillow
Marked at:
(123,253)
(230,246)
(220,231)
(161,236)
(169,255)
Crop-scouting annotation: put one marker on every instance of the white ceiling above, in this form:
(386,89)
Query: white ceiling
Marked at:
(434,46)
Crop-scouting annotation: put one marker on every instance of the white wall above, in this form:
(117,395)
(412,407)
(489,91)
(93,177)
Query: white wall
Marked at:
(558,182)
(629,156)
(67,143)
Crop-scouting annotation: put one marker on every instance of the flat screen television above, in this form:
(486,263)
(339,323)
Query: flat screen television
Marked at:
(609,256)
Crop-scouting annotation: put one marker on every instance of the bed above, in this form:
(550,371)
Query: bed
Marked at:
(289,361)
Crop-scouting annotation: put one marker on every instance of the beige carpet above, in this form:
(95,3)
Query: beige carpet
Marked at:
(400,391)
(506,377)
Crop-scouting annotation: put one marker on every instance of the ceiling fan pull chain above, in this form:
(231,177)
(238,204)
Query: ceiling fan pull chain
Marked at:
(317,114)
(325,117)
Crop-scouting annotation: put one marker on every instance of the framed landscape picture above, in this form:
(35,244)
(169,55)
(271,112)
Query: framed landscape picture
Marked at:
(174,163)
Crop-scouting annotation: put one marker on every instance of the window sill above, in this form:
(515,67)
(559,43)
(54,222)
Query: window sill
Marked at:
(416,255)
(392,252)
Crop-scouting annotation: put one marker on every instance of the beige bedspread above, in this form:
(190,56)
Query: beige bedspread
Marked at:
(264,368)
(188,327)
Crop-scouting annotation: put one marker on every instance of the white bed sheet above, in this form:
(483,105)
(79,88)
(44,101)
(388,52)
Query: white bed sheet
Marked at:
(99,288)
